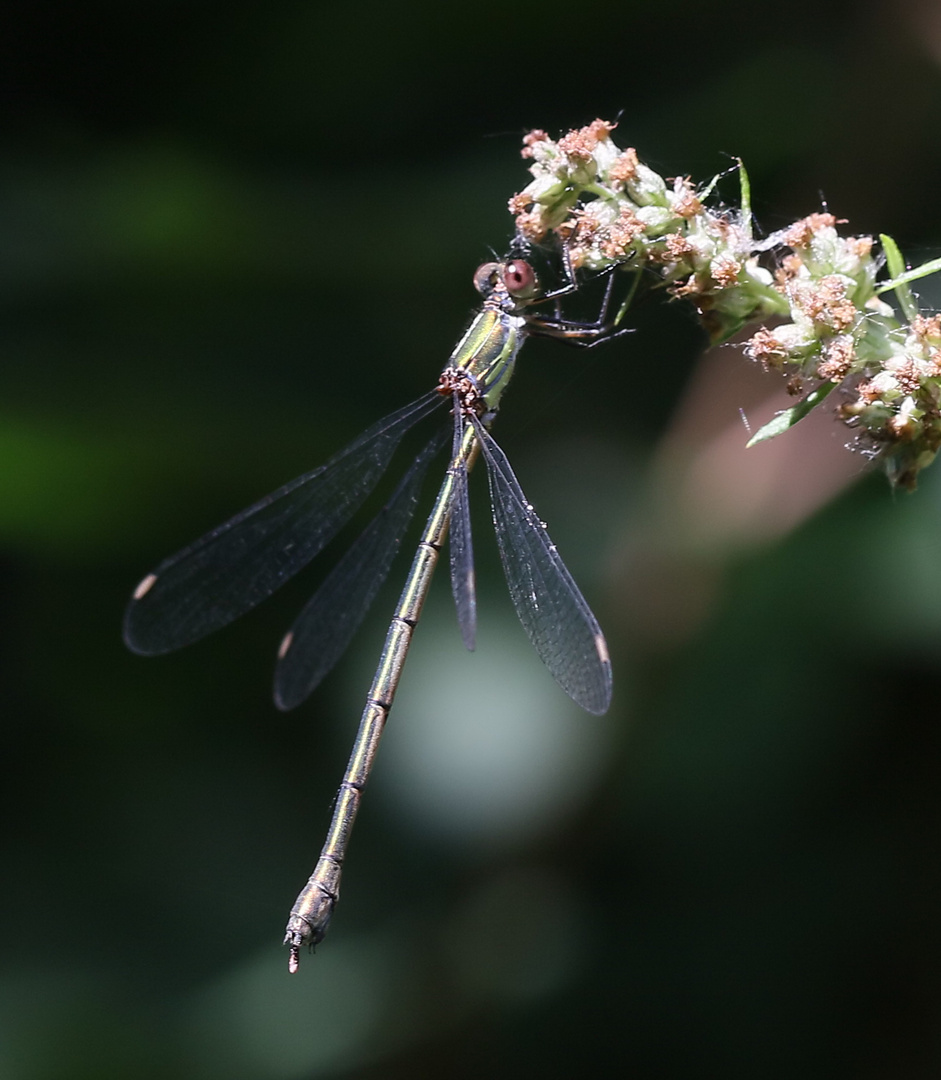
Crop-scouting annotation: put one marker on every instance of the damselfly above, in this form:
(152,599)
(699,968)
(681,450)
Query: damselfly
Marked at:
(237,565)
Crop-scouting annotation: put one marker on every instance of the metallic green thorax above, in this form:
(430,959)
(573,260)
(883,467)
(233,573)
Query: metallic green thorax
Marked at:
(487,352)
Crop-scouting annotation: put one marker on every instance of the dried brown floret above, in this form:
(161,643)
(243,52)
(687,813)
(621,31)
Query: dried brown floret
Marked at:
(802,232)
(767,348)
(622,234)
(581,144)
(624,167)
(826,302)
(531,226)
(790,267)
(566,231)
(686,204)
(860,246)
(586,225)
(689,287)
(839,355)
(676,247)
(908,377)
(725,271)
(868,392)
(926,327)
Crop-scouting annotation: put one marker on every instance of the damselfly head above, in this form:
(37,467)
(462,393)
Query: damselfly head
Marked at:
(516,276)
(486,277)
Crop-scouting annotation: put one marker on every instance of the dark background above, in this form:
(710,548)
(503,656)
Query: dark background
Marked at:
(232,236)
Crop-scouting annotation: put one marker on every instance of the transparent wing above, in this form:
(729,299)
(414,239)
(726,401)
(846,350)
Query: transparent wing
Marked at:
(554,614)
(322,631)
(461,544)
(231,569)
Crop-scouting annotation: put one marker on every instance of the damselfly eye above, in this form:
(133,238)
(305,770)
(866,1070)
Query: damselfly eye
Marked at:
(519,279)
(485,277)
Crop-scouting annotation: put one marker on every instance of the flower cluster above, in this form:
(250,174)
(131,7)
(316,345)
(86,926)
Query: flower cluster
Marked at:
(611,211)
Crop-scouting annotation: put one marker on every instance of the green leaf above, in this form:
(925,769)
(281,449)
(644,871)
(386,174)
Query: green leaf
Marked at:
(708,189)
(745,196)
(897,268)
(791,416)
(930,267)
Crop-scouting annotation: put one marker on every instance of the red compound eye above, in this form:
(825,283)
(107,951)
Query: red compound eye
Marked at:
(519,279)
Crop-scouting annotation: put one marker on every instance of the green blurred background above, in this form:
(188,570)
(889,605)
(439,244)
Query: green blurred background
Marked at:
(233,235)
